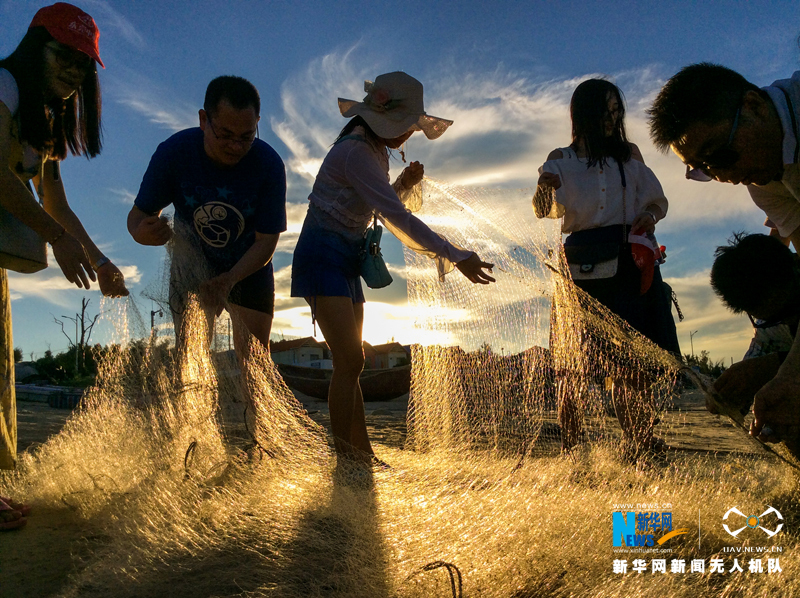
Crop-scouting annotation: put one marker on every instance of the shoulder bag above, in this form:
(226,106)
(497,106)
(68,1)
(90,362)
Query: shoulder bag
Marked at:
(373,267)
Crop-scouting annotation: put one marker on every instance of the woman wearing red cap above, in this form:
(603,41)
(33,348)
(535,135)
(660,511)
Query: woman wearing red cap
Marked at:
(352,189)
(49,103)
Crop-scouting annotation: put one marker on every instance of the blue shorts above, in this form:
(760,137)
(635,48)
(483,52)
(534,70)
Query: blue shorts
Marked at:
(326,263)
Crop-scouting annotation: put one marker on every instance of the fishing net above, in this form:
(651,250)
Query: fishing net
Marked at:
(188,472)
(537,359)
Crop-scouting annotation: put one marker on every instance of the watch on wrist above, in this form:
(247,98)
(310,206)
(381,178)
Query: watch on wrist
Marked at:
(100,263)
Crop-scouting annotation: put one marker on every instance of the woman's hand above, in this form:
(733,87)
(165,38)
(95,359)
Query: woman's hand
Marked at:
(72,260)
(549,180)
(111,281)
(412,174)
(645,221)
(472,268)
(544,197)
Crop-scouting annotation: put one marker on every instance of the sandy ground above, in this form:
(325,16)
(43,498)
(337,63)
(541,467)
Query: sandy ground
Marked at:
(36,561)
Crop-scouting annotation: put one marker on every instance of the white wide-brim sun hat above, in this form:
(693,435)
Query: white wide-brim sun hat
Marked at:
(392,106)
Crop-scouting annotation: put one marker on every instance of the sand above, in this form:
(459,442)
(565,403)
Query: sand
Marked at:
(38,560)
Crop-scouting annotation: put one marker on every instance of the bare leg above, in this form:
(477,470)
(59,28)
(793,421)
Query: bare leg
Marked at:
(570,416)
(246,322)
(340,321)
(358,434)
(633,403)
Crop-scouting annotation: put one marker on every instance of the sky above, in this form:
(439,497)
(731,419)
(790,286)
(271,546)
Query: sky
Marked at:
(503,71)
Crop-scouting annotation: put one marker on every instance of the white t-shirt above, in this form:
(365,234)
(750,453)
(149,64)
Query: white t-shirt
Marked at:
(592,197)
(780,200)
(24,160)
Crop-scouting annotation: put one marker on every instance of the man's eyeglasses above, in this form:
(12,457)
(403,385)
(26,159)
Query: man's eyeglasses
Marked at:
(723,158)
(67,58)
(246,141)
(787,313)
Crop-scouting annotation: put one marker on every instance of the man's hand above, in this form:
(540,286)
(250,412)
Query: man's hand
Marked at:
(472,268)
(214,293)
(412,174)
(777,405)
(111,280)
(740,382)
(73,261)
(152,230)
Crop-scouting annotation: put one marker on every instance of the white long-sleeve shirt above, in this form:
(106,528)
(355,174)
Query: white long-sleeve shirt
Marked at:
(592,197)
(353,183)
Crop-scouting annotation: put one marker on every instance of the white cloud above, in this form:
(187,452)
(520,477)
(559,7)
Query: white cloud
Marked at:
(50,285)
(156,104)
(132,274)
(295,215)
(505,125)
(109,18)
(123,196)
(311,118)
(175,119)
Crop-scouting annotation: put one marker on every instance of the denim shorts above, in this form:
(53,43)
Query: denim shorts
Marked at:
(326,262)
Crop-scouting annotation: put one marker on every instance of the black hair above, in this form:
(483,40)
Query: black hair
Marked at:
(239,93)
(751,269)
(53,125)
(358,121)
(588,109)
(703,92)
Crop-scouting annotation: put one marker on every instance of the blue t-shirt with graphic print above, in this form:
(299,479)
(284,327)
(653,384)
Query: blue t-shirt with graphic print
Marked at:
(224,206)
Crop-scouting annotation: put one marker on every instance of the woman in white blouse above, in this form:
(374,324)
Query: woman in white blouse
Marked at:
(351,188)
(601,187)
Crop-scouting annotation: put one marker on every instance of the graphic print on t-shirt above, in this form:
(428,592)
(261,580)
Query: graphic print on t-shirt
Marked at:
(217,222)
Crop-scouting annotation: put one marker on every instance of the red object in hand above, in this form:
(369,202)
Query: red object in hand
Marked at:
(644,256)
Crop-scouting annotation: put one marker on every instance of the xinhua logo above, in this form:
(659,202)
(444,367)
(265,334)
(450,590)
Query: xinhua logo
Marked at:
(640,529)
(753,521)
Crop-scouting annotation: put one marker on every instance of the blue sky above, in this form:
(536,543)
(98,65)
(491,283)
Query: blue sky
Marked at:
(503,71)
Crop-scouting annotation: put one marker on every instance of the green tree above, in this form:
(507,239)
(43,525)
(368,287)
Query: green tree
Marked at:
(17,354)
(704,364)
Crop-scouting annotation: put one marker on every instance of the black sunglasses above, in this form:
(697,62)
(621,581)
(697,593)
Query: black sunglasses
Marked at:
(723,158)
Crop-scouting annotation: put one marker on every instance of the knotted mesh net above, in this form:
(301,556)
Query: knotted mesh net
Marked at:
(187,472)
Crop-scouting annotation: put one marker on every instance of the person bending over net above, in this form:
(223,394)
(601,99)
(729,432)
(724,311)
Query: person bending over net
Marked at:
(759,275)
(601,187)
(229,192)
(49,103)
(351,191)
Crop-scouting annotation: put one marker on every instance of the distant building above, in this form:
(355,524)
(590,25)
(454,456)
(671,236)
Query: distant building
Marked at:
(300,351)
(388,355)
(25,372)
(309,352)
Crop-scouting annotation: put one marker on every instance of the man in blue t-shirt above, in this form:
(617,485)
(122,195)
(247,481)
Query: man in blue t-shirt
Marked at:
(229,193)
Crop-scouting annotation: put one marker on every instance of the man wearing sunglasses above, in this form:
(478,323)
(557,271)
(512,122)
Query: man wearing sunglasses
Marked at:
(229,193)
(725,128)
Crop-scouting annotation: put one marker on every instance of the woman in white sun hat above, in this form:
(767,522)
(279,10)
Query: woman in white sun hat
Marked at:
(351,189)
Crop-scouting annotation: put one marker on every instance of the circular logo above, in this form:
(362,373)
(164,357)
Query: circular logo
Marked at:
(218,223)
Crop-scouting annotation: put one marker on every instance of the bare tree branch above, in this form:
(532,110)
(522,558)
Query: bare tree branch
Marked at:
(64,332)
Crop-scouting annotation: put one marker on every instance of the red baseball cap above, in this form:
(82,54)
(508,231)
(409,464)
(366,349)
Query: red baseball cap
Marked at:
(70,26)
